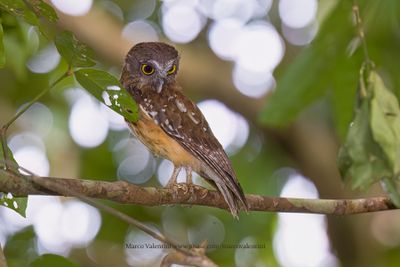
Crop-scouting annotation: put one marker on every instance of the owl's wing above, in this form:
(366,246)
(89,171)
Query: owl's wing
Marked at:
(181,119)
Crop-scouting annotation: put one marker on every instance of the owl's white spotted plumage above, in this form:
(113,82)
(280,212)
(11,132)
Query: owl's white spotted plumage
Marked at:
(171,125)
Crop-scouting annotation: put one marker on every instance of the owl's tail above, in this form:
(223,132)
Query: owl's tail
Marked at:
(231,191)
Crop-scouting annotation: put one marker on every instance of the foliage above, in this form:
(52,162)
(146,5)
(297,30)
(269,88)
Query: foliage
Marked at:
(17,204)
(326,65)
(371,151)
(107,89)
(74,52)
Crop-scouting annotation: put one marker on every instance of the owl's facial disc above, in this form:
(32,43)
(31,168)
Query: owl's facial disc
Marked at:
(162,71)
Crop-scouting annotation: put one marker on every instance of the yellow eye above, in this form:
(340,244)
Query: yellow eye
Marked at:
(172,69)
(147,69)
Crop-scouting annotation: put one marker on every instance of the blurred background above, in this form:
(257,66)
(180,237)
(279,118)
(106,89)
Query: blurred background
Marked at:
(275,79)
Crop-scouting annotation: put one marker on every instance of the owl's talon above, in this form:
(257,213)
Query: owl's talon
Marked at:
(189,180)
(173,180)
(184,187)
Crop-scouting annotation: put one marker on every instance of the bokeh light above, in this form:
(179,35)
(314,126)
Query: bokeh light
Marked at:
(181,23)
(140,31)
(230,128)
(10,223)
(297,13)
(113,8)
(252,83)
(79,223)
(209,228)
(301,239)
(141,255)
(33,159)
(115,121)
(300,36)
(174,225)
(37,119)
(222,37)
(241,10)
(137,169)
(87,125)
(30,152)
(59,225)
(73,7)
(259,47)
(142,9)
(246,257)
(238,9)
(45,60)
(135,163)
(165,170)
(385,228)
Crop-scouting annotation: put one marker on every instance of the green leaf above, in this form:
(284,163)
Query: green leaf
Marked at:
(295,90)
(108,90)
(43,10)
(385,121)
(316,70)
(51,260)
(360,160)
(343,94)
(17,204)
(19,9)
(2,52)
(389,186)
(76,53)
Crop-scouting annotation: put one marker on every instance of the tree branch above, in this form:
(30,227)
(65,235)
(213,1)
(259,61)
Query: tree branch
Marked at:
(192,257)
(184,194)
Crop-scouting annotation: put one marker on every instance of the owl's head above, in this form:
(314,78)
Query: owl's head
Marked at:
(154,64)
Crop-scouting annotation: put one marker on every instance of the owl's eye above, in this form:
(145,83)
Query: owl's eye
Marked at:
(172,70)
(147,69)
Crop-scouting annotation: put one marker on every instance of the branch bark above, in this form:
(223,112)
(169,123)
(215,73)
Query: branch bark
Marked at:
(183,194)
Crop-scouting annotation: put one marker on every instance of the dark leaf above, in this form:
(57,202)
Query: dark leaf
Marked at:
(316,69)
(51,260)
(76,53)
(108,90)
(17,204)
(343,93)
(19,9)
(389,185)
(360,160)
(385,121)
(43,10)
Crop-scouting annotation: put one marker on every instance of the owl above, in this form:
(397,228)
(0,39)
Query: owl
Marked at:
(172,126)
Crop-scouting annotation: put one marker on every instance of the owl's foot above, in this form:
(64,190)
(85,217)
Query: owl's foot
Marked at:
(189,175)
(173,180)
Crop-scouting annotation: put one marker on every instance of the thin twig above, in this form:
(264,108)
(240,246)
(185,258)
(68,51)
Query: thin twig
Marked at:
(3,262)
(184,194)
(360,31)
(4,128)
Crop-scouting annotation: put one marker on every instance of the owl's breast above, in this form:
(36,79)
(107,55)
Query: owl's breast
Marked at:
(161,144)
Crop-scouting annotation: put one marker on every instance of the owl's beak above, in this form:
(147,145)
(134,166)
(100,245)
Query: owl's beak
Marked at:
(159,84)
